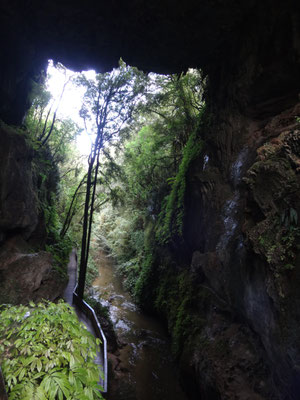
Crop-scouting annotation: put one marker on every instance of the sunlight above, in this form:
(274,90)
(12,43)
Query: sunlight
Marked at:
(71,101)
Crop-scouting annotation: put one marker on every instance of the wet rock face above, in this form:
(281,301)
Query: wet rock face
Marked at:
(228,363)
(18,202)
(248,261)
(273,235)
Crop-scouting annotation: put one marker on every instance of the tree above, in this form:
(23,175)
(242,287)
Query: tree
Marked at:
(52,139)
(165,139)
(41,120)
(108,106)
(167,118)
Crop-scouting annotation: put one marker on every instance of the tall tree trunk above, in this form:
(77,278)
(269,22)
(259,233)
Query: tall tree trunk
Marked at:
(92,208)
(69,215)
(83,264)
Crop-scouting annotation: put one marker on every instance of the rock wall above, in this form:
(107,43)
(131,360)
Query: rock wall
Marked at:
(18,201)
(243,232)
(25,272)
(242,225)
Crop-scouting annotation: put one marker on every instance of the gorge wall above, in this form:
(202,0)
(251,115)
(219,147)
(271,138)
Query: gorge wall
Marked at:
(26,270)
(240,254)
(243,233)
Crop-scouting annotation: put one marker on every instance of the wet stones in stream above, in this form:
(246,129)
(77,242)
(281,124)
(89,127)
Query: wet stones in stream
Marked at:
(140,361)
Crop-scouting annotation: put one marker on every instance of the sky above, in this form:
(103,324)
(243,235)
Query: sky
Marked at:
(71,100)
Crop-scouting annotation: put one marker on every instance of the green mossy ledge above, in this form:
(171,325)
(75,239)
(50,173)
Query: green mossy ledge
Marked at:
(171,218)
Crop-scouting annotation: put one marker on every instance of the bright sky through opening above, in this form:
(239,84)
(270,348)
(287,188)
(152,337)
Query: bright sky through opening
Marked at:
(71,101)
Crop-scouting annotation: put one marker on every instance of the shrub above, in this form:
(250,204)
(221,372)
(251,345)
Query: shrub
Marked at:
(48,354)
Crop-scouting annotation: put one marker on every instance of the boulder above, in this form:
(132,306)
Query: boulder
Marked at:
(27,276)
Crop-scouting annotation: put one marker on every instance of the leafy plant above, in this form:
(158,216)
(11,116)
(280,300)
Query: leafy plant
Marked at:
(47,353)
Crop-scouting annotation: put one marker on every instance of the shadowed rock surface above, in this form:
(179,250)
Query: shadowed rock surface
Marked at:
(26,273)
(26,276)
(18,200)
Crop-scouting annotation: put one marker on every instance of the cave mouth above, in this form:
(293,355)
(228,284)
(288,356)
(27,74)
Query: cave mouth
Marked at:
(156,114)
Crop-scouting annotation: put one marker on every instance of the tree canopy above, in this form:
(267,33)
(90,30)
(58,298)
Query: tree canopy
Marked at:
(145,132)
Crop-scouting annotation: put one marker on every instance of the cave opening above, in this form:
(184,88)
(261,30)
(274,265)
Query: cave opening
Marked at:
(208,229)
(118,199)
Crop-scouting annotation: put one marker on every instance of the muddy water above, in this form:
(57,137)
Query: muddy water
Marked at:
(144,370)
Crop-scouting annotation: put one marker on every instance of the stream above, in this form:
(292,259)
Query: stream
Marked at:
(144,368)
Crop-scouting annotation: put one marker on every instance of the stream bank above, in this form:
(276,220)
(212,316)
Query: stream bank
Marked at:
(140,365)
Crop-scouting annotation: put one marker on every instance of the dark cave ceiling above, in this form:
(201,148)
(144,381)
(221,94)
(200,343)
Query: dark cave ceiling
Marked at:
(160,36)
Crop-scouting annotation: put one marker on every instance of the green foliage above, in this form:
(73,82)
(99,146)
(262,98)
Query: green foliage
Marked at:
(46,176)
(48,353)
(60,251)
(171,218)
(156,159)
(52,172)
(92,272)
(147,165)
(175,297)
(100,310)
(143,282)
(39,98)
(47,182)
(280,240)
(120,231)
(130,272)
(160,126)
(109,103)
(41,121)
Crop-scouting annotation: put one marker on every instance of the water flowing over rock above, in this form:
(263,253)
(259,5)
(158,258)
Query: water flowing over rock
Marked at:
(205,162)
(238,166)
(229,212)
(251,274)
(141,365)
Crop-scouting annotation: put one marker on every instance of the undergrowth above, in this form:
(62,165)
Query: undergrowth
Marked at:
(46,177)
(92,271)
(48,353)
(100,310)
